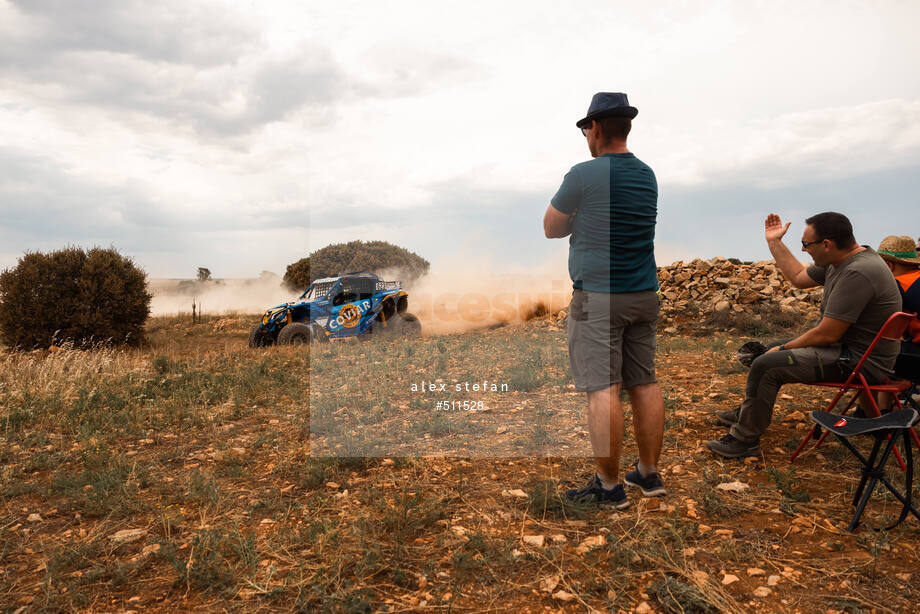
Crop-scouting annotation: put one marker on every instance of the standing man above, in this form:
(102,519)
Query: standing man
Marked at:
(609,206)
(859,296)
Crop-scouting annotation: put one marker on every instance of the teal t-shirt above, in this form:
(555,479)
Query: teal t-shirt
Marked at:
(615,201)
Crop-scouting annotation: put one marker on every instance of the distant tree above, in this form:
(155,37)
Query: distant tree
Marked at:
(204,274)
(340,258)
(297,274)
(73,295)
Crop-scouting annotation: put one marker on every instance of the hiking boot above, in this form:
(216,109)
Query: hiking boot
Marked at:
(593,492)
(651,484)
(728,417)
(730,447)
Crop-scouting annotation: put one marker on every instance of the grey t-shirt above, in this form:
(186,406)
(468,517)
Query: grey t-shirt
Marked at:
(863,292)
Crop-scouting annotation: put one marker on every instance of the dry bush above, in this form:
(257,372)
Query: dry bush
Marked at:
(72,295)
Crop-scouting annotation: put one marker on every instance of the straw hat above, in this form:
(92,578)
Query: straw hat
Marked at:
(899,249)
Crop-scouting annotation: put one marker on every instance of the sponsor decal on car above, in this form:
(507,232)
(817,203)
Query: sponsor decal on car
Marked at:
(349,315)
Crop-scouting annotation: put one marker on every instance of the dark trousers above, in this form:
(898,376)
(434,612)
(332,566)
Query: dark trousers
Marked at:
(770,371)
(908,363)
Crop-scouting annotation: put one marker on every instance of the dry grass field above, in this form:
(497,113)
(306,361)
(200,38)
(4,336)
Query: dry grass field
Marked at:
(184,475)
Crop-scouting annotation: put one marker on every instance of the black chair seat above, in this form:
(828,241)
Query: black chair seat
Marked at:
(847,426)
(887,429)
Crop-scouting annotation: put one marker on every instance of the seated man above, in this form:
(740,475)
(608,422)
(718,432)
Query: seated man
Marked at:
(900,255)
(859,296)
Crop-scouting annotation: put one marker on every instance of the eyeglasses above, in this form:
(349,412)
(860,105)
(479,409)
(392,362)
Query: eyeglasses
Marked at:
(584,131)
(806,244)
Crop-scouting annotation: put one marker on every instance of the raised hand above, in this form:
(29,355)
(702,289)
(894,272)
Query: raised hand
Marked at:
(773,228)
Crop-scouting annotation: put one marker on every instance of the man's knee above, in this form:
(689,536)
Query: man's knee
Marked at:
(776,369)
(612,389)
(642,388)
(771,361)
(763,362)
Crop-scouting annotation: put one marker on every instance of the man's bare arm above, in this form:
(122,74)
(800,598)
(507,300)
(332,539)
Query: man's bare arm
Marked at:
(557,224)
(794,271)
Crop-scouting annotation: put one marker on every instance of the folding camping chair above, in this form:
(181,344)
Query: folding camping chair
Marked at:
(911,372)
(884,428)
(893,329)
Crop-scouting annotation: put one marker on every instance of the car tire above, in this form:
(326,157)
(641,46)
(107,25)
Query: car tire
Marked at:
(258,338)
(295,333)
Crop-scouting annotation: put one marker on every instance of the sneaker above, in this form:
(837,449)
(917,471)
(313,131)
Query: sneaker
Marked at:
(593,492)
(730,447)
(651,484)
(728,418)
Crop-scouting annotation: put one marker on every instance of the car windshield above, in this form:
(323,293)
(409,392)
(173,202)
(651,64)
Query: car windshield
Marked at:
(317,290)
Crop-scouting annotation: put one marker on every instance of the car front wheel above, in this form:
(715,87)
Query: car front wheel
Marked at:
(296,333)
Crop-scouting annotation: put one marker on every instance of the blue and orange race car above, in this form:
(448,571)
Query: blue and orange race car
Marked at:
(355,304)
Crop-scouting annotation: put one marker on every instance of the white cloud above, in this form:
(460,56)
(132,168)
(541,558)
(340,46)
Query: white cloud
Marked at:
(806,146)
(241,119)
(199,33)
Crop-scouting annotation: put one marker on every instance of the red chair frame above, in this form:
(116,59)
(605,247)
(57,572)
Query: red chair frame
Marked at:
(893,329)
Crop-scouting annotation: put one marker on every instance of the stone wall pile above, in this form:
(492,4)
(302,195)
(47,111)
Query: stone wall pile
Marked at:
(702,288)
(719,285)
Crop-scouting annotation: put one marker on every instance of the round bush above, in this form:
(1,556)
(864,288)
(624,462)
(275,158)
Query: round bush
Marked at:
(73,295)
(340,258)
(297,274)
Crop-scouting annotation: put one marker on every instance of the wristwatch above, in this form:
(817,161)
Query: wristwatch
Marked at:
(782,347)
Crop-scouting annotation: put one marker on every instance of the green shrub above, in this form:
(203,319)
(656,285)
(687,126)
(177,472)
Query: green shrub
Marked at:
(73,295)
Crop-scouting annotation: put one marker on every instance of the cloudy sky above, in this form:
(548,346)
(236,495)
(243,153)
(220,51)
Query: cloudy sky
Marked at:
(240,135)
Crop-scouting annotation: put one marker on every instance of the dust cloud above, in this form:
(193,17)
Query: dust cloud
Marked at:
(458,296)
(455,296)
(218,297)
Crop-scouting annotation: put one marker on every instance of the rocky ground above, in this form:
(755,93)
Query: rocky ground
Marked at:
(187,475)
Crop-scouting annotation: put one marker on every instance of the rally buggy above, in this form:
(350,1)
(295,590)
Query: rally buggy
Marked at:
(355,304)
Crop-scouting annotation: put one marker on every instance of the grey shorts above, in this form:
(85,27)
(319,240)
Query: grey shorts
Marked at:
(612,339)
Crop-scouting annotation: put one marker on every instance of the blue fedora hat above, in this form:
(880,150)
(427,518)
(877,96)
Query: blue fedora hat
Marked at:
(608,104)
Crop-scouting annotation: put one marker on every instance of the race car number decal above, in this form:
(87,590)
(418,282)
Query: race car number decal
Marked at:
(349,315)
